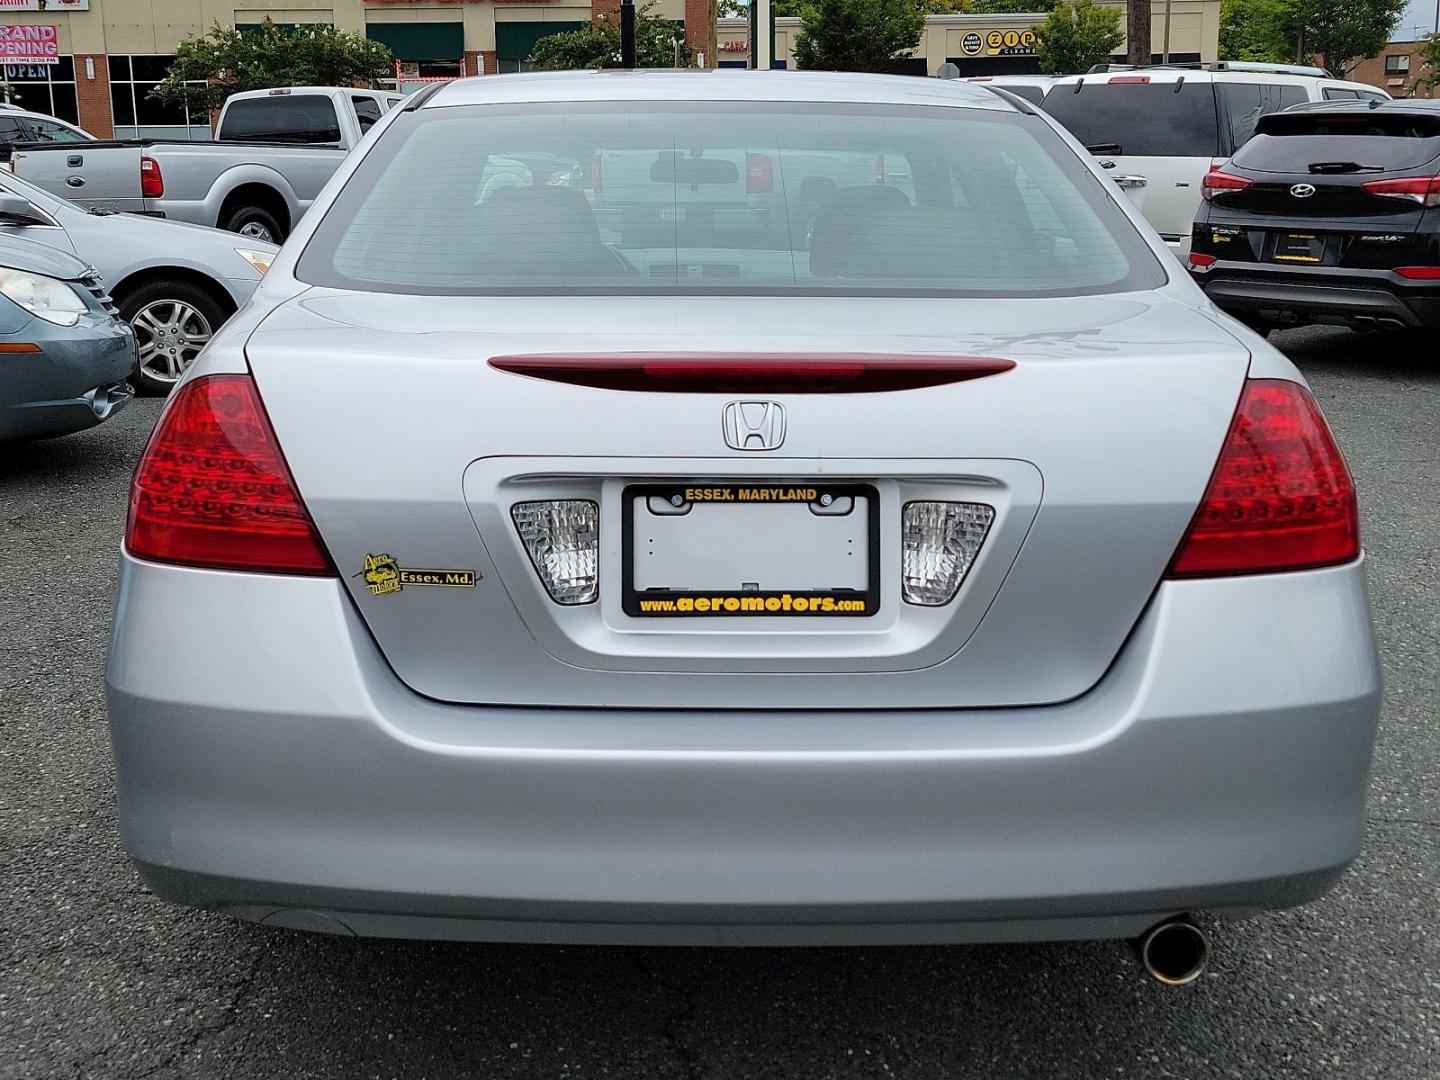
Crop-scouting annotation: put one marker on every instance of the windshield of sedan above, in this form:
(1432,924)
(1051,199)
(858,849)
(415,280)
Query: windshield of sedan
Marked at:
(725,197)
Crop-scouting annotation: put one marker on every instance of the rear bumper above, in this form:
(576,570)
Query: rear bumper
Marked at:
(282,774)
(1322,294)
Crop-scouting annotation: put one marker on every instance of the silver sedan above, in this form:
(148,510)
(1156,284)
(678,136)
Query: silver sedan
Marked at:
(801,509)
(173,283)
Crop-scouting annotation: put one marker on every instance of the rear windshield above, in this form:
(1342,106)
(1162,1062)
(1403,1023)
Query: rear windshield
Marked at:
(1164,119)
(1363,141)
(302,118)
(640,197)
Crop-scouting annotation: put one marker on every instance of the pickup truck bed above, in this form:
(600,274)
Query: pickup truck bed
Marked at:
(256,186)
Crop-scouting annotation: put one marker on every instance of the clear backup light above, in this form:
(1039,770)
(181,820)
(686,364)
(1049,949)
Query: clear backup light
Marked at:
(562,538)
(940,542)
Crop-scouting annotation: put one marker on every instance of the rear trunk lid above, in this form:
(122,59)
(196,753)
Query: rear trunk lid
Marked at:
(412,451)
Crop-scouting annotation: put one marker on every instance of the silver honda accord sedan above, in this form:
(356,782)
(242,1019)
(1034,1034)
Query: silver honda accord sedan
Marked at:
(738,508)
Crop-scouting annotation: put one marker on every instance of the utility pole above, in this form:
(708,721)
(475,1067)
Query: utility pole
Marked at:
(627,33)
(1137,32)
(1165,48)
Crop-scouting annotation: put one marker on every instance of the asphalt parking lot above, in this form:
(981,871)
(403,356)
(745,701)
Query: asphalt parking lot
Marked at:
(99,979)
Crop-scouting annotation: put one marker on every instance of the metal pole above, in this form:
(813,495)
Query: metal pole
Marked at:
(1165,48)
(627,33)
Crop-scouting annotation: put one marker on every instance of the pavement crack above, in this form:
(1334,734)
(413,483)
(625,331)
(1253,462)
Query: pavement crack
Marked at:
(230,1013)
(677,1018)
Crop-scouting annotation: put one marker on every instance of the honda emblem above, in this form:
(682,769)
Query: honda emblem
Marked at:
(753,425)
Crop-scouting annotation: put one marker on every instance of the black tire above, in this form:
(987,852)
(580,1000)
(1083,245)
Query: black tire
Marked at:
(151,310)
(255,222)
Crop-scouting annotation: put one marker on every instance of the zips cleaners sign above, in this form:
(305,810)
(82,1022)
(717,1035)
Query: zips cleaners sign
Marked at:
(28,45)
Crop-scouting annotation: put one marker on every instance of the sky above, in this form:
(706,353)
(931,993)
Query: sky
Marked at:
(1418,20)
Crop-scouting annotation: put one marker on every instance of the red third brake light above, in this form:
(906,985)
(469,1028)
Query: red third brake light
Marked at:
(1217,182)
(152,183)
(212,488)
(750,373)
(1280,497)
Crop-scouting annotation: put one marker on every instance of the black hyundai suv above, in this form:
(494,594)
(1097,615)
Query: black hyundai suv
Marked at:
(1331,213)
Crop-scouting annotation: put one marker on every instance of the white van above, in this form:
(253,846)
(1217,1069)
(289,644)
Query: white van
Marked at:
(1171,123)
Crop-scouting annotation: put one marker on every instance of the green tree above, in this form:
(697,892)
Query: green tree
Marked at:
(225,61)
(1428,53)
(597,45)
(1010,7)
(1343,32)
(1076,36)
(1260,30)
(858,35)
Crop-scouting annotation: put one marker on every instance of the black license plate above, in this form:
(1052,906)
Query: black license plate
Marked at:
(723,549)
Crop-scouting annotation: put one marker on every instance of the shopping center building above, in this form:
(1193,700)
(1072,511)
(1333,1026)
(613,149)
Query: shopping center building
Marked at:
(94,62)
(1185,31)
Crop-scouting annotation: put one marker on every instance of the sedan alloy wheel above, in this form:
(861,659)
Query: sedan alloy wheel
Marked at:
(169,335)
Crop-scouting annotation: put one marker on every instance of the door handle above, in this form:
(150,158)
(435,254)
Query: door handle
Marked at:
(1131,182)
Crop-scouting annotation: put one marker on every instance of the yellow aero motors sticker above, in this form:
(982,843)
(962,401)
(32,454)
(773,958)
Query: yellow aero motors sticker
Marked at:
(384,575)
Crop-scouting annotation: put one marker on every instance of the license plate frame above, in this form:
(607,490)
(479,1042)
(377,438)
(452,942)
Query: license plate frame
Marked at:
(1305,249)
(654,603)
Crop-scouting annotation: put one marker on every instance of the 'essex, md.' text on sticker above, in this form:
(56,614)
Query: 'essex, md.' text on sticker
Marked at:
(384,575)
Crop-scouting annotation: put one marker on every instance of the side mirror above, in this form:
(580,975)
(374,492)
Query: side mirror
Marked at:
(16,211)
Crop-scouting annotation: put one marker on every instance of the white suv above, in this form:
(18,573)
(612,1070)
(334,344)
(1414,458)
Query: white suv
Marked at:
(1170,124)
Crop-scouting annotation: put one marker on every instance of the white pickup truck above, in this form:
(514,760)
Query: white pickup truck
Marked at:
(274,150)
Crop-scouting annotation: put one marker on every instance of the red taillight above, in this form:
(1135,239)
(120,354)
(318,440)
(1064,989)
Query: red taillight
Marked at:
(1200,261)
(1280,497)
(1129,80)
(703,373)
(1424,190)
(1217,181)
(152,184)
(759,174)
(212,488)
(1419,273)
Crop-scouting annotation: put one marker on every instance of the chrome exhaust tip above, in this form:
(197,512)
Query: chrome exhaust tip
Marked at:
(1174,952)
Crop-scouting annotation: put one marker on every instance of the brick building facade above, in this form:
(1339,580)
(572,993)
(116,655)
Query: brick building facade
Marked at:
(1394,69)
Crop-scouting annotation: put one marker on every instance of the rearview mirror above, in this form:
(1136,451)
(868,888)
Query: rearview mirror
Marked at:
(16,211)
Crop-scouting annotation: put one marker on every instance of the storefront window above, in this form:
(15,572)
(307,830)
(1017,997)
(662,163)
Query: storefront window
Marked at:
(43,88)
(140,116)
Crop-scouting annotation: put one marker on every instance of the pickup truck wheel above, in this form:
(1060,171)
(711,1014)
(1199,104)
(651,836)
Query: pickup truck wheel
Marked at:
(173,321)
(255,223)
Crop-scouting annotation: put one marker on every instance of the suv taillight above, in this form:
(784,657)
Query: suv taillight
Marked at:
(759,174)
(212,488)
(1424,190)
(152,183)
(1280,498)
(1219,182)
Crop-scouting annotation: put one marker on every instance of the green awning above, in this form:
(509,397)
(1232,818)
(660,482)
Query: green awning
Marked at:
(516,40)
(420,41)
